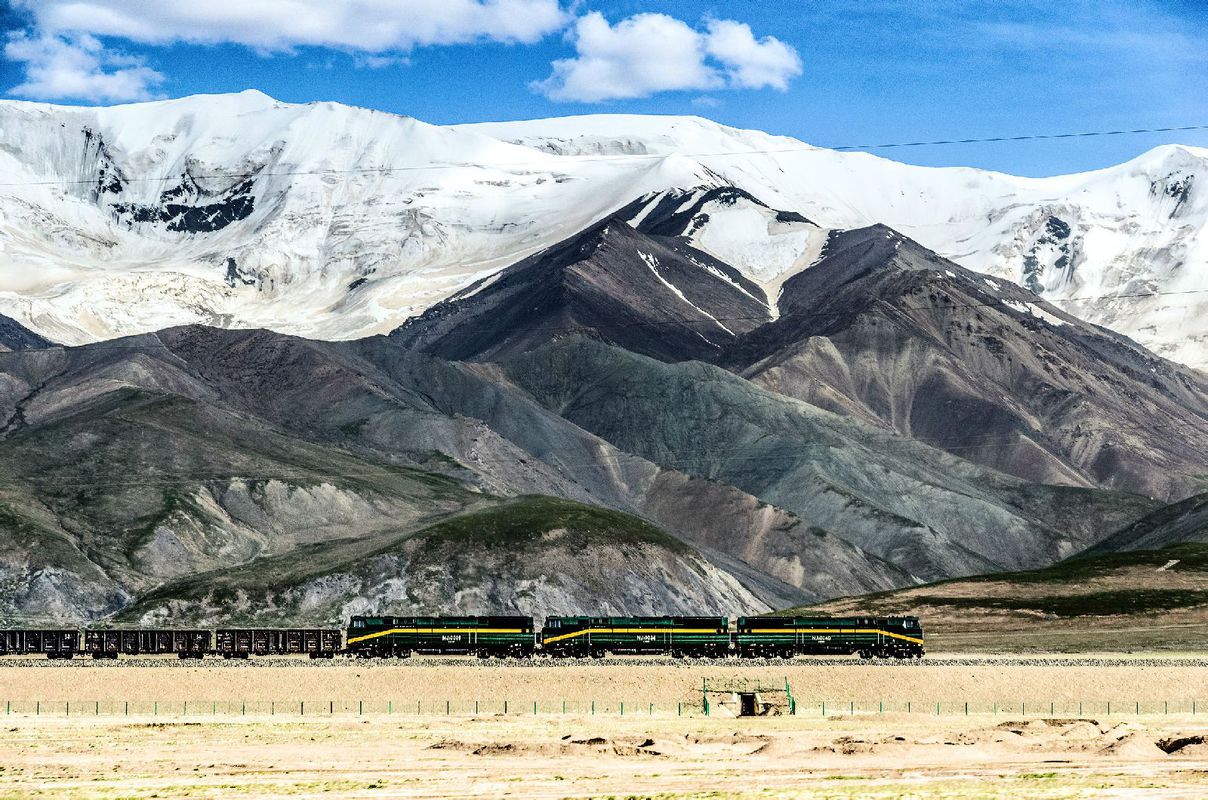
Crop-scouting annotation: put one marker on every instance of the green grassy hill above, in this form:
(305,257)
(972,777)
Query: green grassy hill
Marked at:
(1139,600)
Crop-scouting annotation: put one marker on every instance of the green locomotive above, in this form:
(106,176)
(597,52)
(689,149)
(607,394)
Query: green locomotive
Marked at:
(399,637)
(580,637)
(785,637)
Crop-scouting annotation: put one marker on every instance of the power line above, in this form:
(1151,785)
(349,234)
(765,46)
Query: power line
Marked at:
(554,158)
(1025,138)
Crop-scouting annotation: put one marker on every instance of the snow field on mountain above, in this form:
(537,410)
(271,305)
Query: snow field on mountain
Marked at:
(360,219)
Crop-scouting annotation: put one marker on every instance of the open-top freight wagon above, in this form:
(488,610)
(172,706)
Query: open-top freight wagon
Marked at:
(146,642)
(245,642)
(399,637)
(51,643)
(580,637)
(785,637)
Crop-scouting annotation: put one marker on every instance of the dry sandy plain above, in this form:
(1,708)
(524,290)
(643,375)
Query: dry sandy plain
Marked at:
(351,730)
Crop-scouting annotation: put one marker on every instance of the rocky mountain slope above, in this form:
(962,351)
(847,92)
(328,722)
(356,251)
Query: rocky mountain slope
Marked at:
(650,294)
(532,555)
(1175,524)
(15,336)
(134,465)
(878,328)
(925,511)
(335,222)
(139,472)
(884,330)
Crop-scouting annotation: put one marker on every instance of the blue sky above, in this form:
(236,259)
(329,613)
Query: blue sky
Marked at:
(832,73)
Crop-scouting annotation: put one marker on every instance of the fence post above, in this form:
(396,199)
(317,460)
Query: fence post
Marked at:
(505,707)
(272,708)
(593,708)
(534,708)
(155,709)
(937,709)
(475,708)
(360,707)
(652,709)
(127,708)
(37,708)
(69,708)
(563,708)
(622,708)
(824,708)
(97,711)
(851,708)
(966,708)
(301,708)
(679,709)
(1138,708)
(243,709)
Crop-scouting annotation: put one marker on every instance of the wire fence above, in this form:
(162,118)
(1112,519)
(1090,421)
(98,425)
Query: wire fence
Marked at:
(345,708)
(318,708)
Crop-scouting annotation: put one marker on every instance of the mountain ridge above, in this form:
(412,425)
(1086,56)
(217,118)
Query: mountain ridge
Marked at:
(371,217)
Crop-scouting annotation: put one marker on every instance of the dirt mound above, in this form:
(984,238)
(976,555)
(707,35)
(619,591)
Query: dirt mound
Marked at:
(487,748)
(1195,745)
(1132,745)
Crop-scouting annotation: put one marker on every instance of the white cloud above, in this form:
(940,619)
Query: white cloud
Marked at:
(641,55)
(752,63)
(650,53)
(363,26)
(78,68)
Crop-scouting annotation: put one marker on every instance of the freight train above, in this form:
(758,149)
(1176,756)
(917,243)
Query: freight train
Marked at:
(499,637)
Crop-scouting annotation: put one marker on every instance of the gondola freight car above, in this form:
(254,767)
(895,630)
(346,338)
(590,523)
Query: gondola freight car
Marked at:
(245,642)
(399,637)
(146,642)
(581,637)
(53,643)
(785,637)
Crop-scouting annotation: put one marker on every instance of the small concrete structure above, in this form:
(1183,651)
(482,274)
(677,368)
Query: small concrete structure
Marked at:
(742,699)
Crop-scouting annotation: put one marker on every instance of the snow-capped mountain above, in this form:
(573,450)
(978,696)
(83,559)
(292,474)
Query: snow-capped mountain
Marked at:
(337,222)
